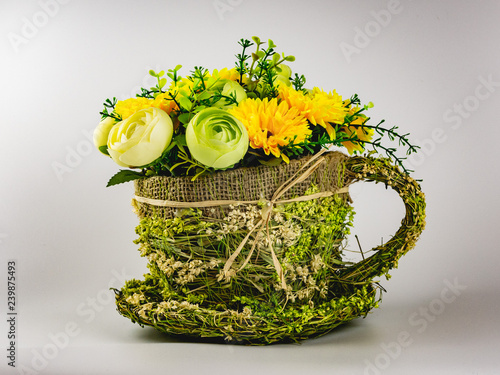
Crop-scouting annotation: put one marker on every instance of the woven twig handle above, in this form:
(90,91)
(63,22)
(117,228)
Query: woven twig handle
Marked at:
(387,255)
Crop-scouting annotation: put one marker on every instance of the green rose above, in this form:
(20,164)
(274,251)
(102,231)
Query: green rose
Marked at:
(216,139)
(141,138)
(231,88)
(283,75)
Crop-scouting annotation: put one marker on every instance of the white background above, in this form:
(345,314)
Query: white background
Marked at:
(424,64)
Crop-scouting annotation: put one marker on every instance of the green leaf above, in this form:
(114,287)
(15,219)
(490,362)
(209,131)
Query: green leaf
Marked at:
(272,162)
(204,95)
(152,73)
(186,103)
(180,140)
(124,175)
(104,149)
(185,118)
(256,39)
(199,108)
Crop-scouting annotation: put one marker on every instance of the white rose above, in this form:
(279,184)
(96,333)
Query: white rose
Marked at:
(102,131)
(141,138)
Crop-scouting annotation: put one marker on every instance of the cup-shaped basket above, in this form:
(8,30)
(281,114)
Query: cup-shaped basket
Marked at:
(256,255)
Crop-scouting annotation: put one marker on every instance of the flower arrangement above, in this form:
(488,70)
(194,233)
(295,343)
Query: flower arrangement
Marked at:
(254,113)
(254,253)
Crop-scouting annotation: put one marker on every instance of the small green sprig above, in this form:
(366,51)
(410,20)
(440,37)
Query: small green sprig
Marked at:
(298,82)
(161,81)
(108,111)
(172,74)
(241,64)
(392,134)
(263,69)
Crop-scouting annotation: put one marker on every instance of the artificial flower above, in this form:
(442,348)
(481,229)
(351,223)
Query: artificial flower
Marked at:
(283,75)
(141,138)
(216,138)
(164,102)
(101,133)
(271,126)
(231,88)
(319,107)
(126,108)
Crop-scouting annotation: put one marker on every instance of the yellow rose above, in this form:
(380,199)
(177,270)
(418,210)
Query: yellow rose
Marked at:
(141,138)
(216,138)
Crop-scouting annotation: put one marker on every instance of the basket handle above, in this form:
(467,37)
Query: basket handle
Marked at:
(386,256)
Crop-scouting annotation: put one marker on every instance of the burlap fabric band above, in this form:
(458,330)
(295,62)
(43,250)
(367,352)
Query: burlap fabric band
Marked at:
(242,184)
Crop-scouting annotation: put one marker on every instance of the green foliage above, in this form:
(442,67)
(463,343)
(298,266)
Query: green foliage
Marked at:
(104,149)
(124,175)
(109,107)
(298,82)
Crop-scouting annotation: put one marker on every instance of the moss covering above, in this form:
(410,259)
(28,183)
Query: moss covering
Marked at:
(188,293)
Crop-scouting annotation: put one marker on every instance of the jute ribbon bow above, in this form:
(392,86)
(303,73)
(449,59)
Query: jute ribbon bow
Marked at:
(263,224)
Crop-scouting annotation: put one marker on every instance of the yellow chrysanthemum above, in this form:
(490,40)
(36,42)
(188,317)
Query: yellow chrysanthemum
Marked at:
(356,128)
(126,108)
(319,107)
(271,125)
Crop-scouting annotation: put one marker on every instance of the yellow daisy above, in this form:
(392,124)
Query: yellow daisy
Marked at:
(271,125)
(319,107)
